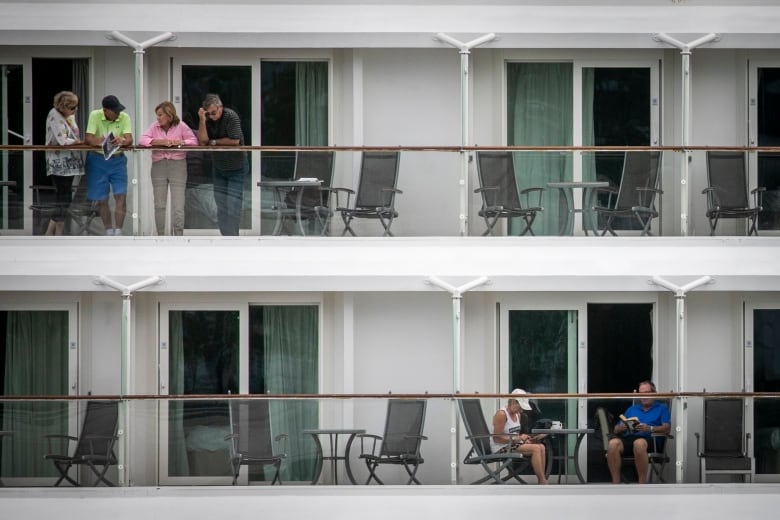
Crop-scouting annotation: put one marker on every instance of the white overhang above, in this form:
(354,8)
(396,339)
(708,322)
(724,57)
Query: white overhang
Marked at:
(257,264)
(359,24)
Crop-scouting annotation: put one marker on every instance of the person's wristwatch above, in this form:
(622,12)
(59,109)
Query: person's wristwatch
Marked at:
(212,142)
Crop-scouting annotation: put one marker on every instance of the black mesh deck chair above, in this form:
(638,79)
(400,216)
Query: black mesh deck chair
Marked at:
(480,453)
(94,446)
(313,203)
(657,456)
(375,197)
(82,211)
(722,448)
(400,444)
(500,195)
(727,192)
(250,438)
(636,196)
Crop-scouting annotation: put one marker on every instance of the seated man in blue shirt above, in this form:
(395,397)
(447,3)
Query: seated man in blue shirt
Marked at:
(653,418)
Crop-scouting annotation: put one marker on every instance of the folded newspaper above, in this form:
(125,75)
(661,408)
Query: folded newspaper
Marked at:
(108,148)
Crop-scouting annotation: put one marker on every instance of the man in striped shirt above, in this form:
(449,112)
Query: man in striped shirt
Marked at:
(221,126)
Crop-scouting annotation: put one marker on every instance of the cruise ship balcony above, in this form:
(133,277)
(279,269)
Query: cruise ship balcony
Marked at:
(173,458)
(439,192)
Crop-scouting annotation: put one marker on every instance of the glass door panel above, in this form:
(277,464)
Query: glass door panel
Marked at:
(233,83)
(38,357)
(294,99)
(539,113)
(541,356)
(12,132)
(257,349)
(616,111)
(284,359)
(767,104)
(201,351)
(762,364)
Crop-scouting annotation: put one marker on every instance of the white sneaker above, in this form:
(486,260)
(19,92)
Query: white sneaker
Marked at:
(118,232)
(110,232)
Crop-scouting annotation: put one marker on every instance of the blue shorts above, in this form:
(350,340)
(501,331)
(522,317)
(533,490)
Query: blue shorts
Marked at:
(105,176)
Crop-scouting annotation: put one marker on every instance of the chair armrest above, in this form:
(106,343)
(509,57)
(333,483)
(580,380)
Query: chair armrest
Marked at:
(646,195)
(528,192)
(389,205)
(365,438)
(612,191)
(52,436)
(655,437)
(758,197)
(282,439)
(698,438)
(489,194)
(336,192)
(491,435)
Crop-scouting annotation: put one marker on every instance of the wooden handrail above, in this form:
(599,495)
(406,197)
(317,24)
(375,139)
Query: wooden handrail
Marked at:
(427,395)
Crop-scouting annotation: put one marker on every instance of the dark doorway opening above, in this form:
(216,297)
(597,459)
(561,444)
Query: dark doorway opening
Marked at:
(620,355)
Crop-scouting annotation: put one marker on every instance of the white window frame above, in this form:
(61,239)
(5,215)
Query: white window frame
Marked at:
(225,303)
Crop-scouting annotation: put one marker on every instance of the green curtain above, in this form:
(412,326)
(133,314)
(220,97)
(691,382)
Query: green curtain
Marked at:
(36,363)
(539,113)
(311,104)
(290,357)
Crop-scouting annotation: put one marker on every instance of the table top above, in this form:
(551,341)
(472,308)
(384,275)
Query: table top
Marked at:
(334,431)
(578,184)
(290,184)
(572,431)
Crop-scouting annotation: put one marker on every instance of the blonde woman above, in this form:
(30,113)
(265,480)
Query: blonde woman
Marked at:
(62,165)
(169,167)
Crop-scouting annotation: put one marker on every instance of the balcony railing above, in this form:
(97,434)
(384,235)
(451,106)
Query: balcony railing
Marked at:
(188,439)
(434,200)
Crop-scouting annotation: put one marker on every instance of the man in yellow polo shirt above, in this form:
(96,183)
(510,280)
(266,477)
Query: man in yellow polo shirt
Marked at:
(105,176)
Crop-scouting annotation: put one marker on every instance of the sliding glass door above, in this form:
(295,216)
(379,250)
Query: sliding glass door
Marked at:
(578,103)
(762,374)
(228,349)
(38,357)
(764,171)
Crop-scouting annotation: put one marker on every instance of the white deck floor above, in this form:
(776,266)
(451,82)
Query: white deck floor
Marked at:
(595,501)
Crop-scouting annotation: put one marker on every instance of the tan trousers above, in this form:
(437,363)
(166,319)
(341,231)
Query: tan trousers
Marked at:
(169,173)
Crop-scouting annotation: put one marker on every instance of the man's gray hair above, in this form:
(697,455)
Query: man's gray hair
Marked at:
(212,99)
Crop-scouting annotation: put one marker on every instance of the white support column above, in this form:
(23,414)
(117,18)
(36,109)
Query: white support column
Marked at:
(457,297)
(127,356)
(465,50)
(680,410)
(139,49)
(685,52)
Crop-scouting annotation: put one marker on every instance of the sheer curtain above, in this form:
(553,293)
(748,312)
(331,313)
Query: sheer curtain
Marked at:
(539,113)
(311,104)
(36,363)
(178,463)
(291,361)
(81,89)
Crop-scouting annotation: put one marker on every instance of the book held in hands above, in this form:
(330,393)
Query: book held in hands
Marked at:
(630,422)
(108,148)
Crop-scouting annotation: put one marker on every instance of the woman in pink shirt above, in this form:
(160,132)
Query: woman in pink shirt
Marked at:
(169,167)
